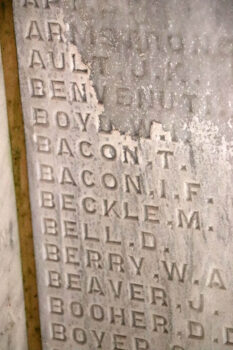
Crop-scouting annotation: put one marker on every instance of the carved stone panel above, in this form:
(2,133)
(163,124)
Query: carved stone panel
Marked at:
(128,118)
(12,315)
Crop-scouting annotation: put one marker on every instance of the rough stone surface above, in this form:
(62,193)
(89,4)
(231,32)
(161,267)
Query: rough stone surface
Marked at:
(12,316)
(128,118)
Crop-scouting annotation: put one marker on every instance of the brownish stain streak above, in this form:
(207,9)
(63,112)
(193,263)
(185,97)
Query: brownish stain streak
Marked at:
(16,129)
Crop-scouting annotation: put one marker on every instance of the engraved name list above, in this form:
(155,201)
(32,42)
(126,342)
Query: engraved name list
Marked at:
(124,227)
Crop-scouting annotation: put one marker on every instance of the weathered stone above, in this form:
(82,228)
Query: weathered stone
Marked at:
(12,316)
(127,109)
